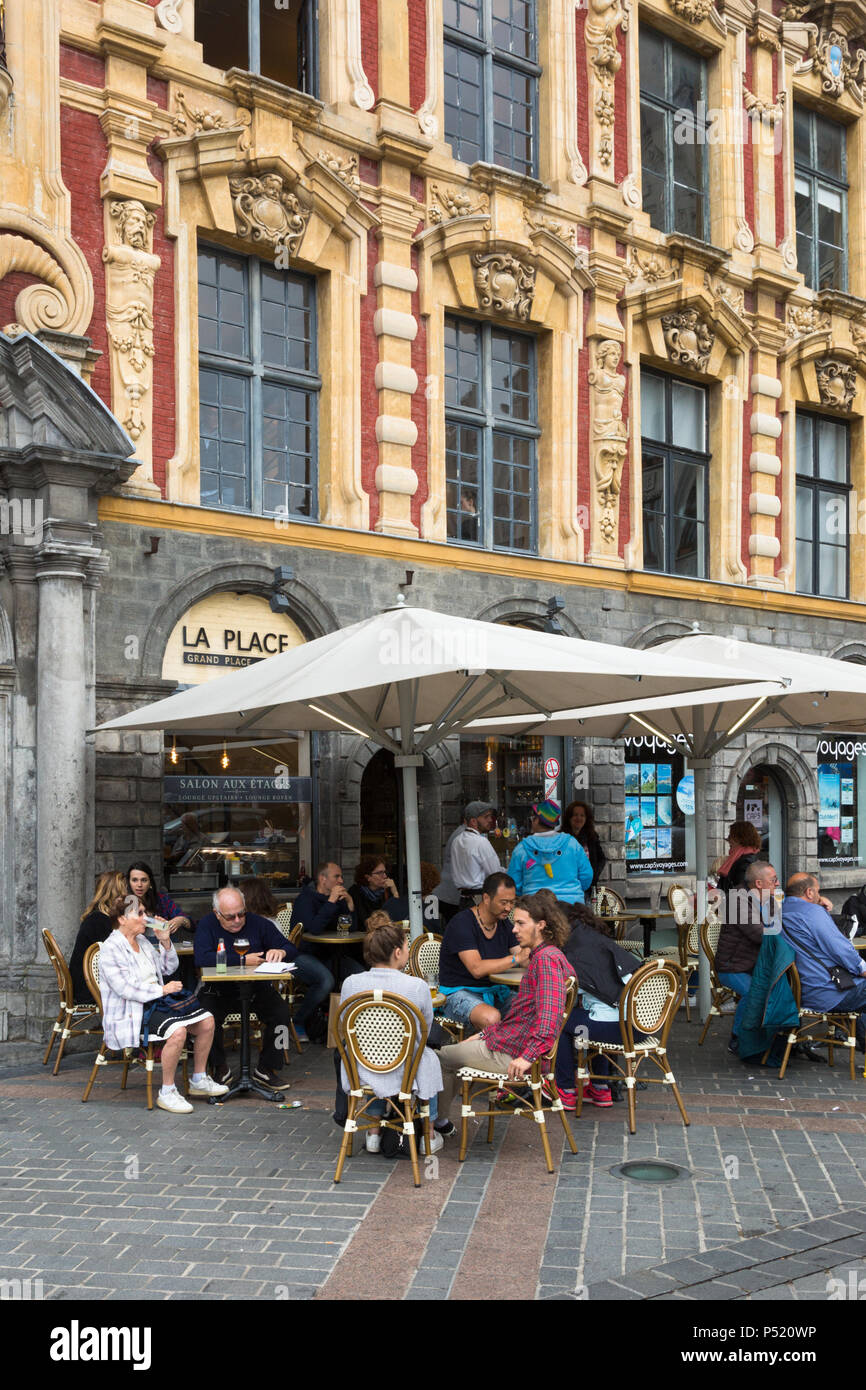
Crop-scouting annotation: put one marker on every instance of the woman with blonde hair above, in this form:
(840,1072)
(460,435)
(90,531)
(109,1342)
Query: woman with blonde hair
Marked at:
(95,926)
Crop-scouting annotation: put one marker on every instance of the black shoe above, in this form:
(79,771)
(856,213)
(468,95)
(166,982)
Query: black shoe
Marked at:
(616,1091)
(445,1127)
(222,1074)
(808,1052)
(271,1078)
(734,1046)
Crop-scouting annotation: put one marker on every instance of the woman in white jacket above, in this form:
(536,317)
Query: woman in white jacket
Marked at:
(133,993)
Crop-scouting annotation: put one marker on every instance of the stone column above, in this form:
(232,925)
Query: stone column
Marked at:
(61,724)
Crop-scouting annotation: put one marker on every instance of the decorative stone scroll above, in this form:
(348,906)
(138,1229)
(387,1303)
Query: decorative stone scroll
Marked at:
(266,212)
(805,319)
(168,14)
(609,435)
(130,271)
(563,231)
(835,64)
(652,268)
(504,284)
(688,338)
(837,382)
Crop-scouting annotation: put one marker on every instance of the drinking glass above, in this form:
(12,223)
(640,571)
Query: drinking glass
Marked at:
(242,945)
(344,923)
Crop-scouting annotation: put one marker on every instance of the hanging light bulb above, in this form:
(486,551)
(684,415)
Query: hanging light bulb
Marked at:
(224,760)
(488,766)
(173,754)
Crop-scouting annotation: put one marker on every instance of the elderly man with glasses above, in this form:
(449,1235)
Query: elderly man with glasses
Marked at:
(227,921)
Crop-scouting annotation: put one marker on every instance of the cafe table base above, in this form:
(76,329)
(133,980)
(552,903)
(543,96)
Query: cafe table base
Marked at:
(246,982)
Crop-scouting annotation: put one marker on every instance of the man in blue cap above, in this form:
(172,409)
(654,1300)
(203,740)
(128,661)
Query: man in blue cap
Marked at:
(549,858)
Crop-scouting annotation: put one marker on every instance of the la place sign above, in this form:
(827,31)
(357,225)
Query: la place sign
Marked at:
(224,632)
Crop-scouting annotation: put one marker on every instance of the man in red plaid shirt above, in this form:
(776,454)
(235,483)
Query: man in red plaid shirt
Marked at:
(530,1026)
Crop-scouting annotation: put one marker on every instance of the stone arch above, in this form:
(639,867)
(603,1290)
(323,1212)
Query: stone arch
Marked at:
(659,630)
(520,609)
(800,784)
(438,783)
(850,651)
(313,615)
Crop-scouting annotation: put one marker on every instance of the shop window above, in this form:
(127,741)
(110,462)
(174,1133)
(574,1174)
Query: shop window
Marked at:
(491,429)
(233,808)
(823,487)
(491,82)
(820,200)
(258,36)
(258,386)
(841,789)
(673,133)
(675,453)
(658,797)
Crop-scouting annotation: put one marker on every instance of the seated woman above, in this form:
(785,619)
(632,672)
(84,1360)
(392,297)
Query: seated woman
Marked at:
(312,972)
(95,926)
(131,982)
(602,969)
(372,890)
(386,951)
(143,884)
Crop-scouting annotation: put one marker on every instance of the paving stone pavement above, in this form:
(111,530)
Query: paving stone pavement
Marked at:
(104,1201)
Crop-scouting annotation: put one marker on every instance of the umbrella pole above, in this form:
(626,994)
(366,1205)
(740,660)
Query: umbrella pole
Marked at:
(699,768)
(409,765)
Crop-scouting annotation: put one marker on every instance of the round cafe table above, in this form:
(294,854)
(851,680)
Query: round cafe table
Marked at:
(509,977)
(333,938)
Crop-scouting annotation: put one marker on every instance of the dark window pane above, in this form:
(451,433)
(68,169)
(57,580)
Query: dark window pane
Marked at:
(830,148)
(833,571)
(686,78)
(802,135)
(221,29)
(652,62)
(688,212)
(652,134)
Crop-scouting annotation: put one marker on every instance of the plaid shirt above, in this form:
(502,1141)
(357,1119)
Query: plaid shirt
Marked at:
(531,1023)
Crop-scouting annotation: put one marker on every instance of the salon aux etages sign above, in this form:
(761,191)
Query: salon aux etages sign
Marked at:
(224,632)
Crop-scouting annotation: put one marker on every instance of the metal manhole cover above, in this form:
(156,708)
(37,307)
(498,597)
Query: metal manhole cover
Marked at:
(655,1170)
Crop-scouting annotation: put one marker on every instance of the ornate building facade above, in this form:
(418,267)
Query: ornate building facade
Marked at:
(560,307)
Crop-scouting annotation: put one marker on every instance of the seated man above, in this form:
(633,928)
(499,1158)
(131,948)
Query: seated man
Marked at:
(228,919)
(820,947)
(535,1014)
(742,934)
(319,905)
(478,943)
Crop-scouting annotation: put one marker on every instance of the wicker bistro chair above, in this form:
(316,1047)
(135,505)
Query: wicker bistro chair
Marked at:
(710,931)
(424,963)
(128,1057)
(477,1084)
(649,1003)
(70,1013)
(288,987)
(381,1031)
(825,1022)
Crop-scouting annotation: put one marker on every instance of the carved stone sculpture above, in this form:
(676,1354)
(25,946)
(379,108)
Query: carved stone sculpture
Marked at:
(604,19)
(609,436)
(805,319)
(169,16)
(504,284)
(265,211)
(835,64)
(694,11)
(688,338)
(130,271)
(651,268)
(346,170)
(187,116)
(446,204)
(563,231)
(837,382)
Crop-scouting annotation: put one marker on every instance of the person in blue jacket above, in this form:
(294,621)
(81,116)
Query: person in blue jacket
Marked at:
(549,858)
(820,946)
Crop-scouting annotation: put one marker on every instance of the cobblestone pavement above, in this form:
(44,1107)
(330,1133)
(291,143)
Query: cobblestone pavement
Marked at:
(104,1201)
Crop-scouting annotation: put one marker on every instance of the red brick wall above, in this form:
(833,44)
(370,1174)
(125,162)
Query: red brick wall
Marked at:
(163,342)
(582,87)
(620,107)
(749,150)
(10,288)
(157,92)
(82,67)
(417,53)
(370,42)
(83,153)
(369,394)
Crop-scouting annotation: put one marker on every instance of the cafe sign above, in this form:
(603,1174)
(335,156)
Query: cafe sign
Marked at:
(225,632)
(224,791)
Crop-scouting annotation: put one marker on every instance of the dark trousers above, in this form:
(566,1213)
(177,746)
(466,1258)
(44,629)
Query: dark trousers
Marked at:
(597,1031)
(268,1006)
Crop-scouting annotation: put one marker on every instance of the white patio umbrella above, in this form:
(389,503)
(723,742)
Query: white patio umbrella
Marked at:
(408,678)
(800,692)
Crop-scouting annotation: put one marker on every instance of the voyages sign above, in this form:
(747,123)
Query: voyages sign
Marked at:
(225,632)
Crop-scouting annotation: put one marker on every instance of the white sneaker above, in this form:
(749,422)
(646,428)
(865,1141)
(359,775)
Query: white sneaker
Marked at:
(207,1087)
(174,1102)
(729,1007)
(436,1143)
(373,1141)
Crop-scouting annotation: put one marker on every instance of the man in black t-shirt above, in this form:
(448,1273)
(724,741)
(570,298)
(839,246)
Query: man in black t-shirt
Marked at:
(479,942)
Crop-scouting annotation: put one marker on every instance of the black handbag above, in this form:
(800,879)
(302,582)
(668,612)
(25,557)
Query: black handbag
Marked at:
(839,974)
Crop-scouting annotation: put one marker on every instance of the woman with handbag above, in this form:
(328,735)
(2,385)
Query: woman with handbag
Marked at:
(137,1003)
